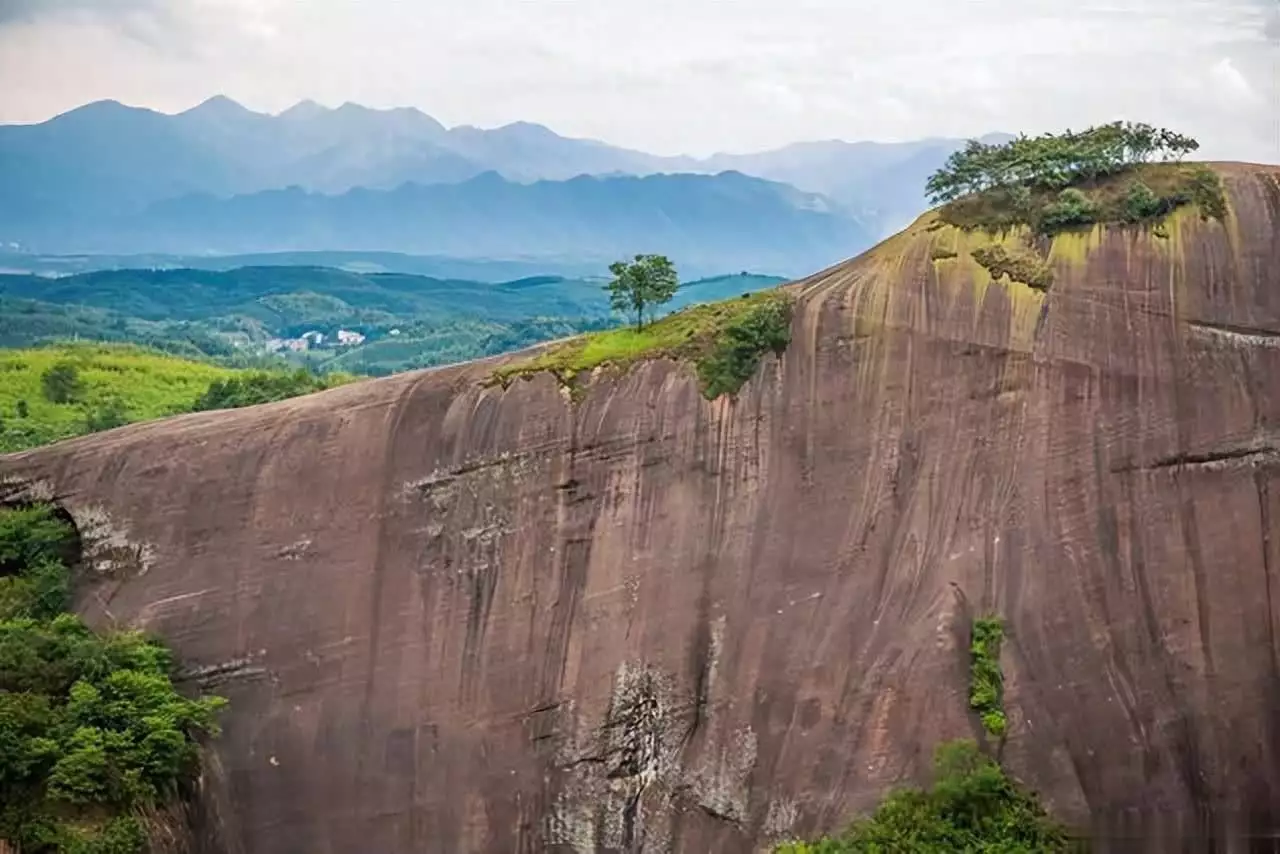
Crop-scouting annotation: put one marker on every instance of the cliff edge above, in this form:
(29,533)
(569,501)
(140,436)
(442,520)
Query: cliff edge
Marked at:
(454,617)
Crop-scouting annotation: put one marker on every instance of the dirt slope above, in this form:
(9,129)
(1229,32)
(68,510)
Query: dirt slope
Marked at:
(456,618)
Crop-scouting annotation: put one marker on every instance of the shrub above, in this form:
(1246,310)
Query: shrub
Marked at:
(106,416)
(972,806)
(1071,210)
(986,681)
(740,347)
(1204,188)
(92,731)
(61,383)
(1142,203)
(22,409)
(258,387)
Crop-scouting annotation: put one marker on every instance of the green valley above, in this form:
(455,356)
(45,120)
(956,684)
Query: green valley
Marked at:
(321,318)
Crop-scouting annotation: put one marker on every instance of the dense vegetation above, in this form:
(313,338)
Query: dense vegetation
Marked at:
(986,681)
(58,392)
(725,340)
(254,387)
(229,317)
(94,738)
(973,807)
(1057,182)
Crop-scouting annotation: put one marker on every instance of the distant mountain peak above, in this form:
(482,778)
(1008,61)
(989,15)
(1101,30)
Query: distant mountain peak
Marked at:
(218,105)
(305,109)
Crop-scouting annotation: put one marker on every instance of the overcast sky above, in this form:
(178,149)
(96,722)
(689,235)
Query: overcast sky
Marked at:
(672,76)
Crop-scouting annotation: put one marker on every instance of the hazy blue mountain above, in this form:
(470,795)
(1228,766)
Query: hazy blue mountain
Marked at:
(59,180)
(882,182)
(434,266)
(704,222)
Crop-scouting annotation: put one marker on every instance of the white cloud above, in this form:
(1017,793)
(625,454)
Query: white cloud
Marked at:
(676,75)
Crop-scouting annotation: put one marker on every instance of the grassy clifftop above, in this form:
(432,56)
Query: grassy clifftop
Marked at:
(724,340)
(108,385)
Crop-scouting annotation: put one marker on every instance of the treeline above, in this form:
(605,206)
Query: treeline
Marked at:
(1055,161)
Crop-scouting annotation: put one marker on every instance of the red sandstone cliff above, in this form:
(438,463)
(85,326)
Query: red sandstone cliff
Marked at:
(454,618)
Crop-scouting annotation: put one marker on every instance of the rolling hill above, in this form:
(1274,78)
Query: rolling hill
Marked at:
(230,316)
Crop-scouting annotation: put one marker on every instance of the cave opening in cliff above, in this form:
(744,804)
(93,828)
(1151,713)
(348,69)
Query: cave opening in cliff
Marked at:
(70,547)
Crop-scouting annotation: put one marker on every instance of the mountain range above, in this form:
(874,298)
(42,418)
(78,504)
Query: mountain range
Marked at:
(220,178)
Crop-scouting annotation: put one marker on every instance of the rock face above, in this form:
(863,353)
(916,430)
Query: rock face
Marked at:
(452,617)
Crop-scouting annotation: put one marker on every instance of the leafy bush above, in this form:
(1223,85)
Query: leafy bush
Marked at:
(62,384)
(740,347)
(973,807)
(986,680)
(92,731)
(257,387)
(1204,188)
(1072,209)
(107,415)
(1141,203)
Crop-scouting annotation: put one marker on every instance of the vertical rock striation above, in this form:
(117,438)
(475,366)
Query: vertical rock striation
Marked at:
(453,617)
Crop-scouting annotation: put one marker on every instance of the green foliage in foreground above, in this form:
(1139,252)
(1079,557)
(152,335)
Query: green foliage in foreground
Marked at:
(986,680)
(973,807)
(725,340)
(93,735)
(52,393)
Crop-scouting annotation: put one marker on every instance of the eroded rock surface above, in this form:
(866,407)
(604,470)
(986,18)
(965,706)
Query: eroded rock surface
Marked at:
(453,617)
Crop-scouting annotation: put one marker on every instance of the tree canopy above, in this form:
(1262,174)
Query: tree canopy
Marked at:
(973,807)
(647,281)
(1054,161)
(93,733)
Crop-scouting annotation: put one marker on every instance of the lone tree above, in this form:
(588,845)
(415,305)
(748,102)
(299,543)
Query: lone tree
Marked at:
(62,383)
(647,281)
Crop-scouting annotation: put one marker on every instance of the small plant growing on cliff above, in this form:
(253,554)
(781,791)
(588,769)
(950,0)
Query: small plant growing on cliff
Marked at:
(647,281)
(92,730)
(972,807)
(986,680)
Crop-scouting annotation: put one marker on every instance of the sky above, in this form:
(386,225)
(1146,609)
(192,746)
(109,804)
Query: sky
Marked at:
(676,76)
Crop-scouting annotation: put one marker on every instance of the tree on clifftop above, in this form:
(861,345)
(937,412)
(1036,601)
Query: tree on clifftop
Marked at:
(647,281)
(1054,161)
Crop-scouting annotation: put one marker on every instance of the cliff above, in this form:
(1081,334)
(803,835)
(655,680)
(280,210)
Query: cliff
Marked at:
(456,617)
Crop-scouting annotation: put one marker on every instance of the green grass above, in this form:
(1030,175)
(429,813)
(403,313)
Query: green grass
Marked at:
(147,384)
(986,680)
(124,384)
(719,337)
(1144,193)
